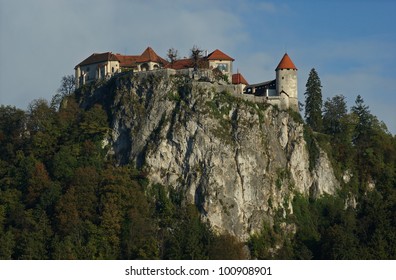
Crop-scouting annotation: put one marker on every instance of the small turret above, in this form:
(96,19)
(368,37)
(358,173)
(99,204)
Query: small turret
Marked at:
(286,83)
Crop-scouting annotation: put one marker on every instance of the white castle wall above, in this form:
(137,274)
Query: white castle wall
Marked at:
(286,82)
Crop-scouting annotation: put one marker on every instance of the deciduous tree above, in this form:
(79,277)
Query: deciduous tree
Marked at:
(334,109)
(68,85)
(172,55)
(196,55)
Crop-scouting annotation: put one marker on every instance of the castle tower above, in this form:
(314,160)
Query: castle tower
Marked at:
(286,83)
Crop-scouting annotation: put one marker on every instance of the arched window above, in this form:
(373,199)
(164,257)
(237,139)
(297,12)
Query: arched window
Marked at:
(144,67)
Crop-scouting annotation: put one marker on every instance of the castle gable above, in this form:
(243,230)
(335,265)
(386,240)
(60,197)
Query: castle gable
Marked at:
(149,55)
(219,55)
(239,79)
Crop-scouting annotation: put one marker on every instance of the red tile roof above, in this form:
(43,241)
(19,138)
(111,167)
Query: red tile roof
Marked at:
(98,57)
(286,63)
(184,63)
(149,55)
(238,79)
(219,55)
(127,60)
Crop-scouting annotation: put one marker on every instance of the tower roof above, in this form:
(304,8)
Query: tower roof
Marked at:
(286,63)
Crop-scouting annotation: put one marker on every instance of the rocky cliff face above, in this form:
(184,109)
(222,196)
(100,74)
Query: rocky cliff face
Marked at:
(239,162)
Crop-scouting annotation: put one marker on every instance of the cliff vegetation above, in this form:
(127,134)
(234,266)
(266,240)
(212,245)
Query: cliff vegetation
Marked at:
(156,167)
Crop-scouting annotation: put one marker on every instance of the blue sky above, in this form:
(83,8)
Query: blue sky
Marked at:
(351,43)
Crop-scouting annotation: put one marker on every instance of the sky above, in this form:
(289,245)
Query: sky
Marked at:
(350,43)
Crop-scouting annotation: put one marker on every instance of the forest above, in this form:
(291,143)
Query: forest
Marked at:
(63,197)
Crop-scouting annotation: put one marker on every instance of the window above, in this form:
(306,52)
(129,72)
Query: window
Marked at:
(223,67)
(112,69)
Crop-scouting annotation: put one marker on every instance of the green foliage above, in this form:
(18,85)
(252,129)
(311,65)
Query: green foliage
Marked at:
(226,247)
(12,122)
(94,122)
(261,244)
(335,109)
(313,101)
(313,149)
(62,198)
(331,227)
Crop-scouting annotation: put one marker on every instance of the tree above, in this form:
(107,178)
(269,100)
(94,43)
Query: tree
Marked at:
(68,85)
(226,247)
(40,116)
(361,137)
(364,121)
(334,109)
(338,124)
(38,183)
(373,147)
(12,122)
(313,101)
(43,129)
(172,55)
(196,55)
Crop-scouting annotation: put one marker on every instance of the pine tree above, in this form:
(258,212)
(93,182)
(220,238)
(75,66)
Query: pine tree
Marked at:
(364,121)
(362,139)
(313,101)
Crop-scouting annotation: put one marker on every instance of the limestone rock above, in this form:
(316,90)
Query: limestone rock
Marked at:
(237,161)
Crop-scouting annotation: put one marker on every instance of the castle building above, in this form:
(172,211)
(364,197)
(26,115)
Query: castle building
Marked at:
(104,65)
(240,82)
(219,60)
(282,91)
(286,83)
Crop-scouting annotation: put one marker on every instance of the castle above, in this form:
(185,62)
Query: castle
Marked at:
(282,91)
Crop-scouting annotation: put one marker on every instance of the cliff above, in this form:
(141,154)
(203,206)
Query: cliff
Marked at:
(237,161)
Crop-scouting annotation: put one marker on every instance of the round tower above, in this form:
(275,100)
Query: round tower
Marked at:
(286,83)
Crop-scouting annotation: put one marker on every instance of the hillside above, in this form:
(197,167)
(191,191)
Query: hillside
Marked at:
(151,166)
